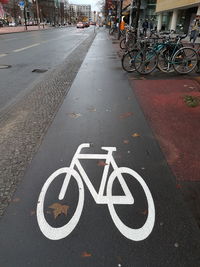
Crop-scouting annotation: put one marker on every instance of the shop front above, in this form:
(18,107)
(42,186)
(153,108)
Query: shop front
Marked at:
(177,15)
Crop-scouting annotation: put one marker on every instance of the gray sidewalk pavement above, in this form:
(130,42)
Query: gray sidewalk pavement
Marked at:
(100,109)
(5,30)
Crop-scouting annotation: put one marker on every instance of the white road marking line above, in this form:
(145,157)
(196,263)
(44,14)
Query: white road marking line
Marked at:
(24,48)
(3,55)
(9,39)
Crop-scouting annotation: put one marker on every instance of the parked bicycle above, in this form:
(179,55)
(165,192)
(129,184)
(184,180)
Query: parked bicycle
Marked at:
(167,55)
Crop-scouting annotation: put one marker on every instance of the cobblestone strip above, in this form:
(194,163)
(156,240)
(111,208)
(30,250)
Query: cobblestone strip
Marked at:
(23,126)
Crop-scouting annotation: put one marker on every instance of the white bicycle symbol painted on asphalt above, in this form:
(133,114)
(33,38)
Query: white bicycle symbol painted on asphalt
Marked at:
(54,233)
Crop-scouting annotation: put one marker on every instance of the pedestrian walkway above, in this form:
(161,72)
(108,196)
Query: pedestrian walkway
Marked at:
(5,30)
(136,218)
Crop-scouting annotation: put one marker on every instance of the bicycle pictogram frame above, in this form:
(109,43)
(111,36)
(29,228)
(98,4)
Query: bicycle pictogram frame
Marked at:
(99,197)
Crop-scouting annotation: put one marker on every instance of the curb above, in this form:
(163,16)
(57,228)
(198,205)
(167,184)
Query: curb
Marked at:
(24,31)
(50,28)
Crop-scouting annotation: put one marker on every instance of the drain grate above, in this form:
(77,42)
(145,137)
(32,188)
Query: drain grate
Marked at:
(39,70)
(5,66)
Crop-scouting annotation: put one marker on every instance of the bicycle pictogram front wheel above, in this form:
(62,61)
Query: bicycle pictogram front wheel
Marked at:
(135,234)
(56,233)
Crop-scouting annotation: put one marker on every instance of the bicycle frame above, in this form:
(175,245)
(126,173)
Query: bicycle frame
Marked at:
(99,196)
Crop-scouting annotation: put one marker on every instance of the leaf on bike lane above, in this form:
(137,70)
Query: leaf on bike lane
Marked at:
(125,115)
(16,199)
(32,212)
(74,115)
(86,254)
(126,141)
(135,135)
(101,163)
(144,212)
(59,209)
(92,109)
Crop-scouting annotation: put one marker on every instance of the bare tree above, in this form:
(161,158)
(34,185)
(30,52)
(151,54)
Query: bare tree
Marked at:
(138,5)
(101,5)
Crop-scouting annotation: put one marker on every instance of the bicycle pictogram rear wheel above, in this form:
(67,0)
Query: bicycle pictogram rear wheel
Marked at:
(130,233)
(56,233)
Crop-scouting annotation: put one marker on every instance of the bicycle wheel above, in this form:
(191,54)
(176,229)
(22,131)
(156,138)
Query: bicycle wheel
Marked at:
(164,61)
(144,231)
(146,61)
(128,60)
(130,44)
(122,44)
(56,233)
(185,60)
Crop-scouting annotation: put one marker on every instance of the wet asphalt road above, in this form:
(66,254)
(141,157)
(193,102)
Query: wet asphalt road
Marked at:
(100,109)
(28,51)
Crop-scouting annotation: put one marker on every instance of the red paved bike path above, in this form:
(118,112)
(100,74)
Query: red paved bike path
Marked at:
(176,127)
(175,124)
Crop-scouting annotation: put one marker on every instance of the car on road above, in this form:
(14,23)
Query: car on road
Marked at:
(12,24)
(80,25)
(87,24)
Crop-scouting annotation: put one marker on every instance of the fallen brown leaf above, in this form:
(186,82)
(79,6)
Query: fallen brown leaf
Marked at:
(135,135)
(59,209)
(126,115)
(145,212)
(32,212)
(86,254)
(74,115)
(126,141)
(101,163)
(92,109)
(16,199)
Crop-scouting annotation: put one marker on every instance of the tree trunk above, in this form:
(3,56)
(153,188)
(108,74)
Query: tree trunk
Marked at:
(137,15)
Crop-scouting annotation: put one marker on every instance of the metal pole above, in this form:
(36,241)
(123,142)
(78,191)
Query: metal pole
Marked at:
(131,15)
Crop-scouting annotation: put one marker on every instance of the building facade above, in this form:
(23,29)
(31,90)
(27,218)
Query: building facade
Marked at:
(84,10)
(147,11)
(177,15)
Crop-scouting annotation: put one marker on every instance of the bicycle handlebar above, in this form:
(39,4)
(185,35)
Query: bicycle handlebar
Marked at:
(82,146)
